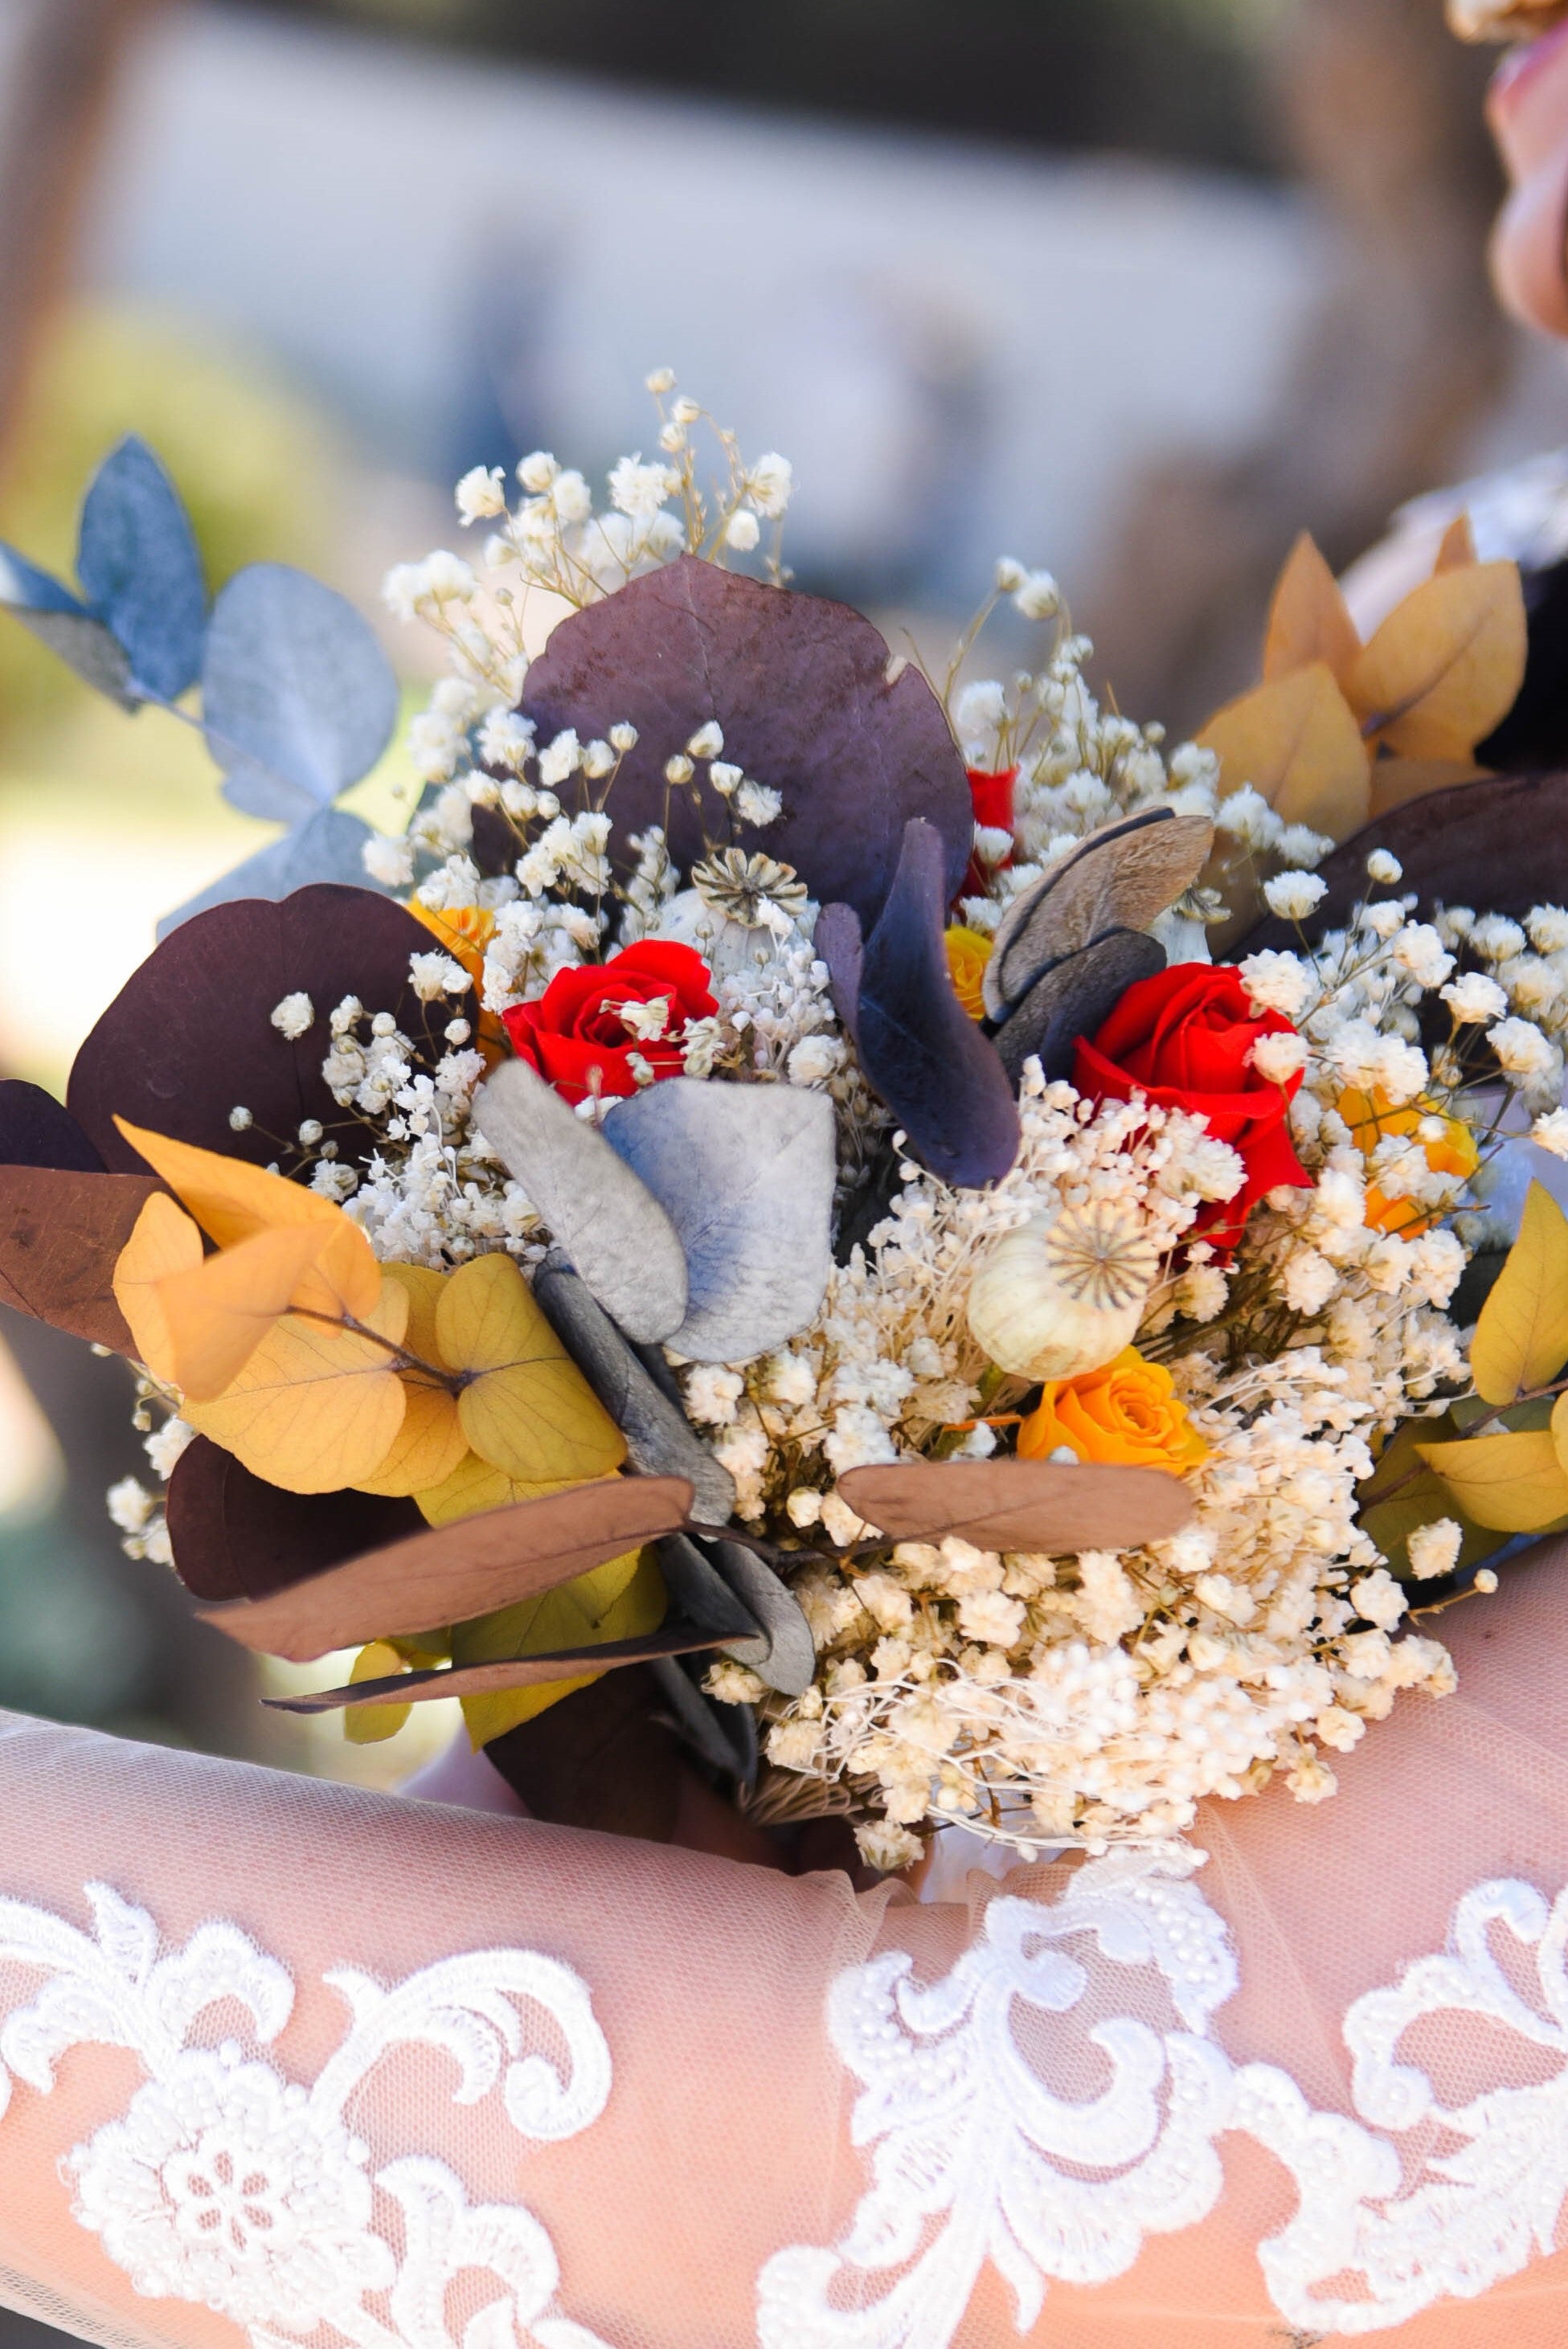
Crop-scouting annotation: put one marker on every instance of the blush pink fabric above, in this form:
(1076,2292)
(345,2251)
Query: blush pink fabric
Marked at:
(733,2130)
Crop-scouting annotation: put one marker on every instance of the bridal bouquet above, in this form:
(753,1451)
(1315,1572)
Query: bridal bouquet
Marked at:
(764,1181)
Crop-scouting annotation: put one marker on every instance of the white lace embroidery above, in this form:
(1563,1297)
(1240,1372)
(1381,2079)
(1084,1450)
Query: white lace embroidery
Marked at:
(228,2185)
(974,2160)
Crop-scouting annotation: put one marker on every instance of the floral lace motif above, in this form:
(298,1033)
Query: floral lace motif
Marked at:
(227,2184)
(976,2160)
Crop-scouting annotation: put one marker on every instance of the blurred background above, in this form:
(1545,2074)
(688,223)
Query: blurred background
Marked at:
(1132,289)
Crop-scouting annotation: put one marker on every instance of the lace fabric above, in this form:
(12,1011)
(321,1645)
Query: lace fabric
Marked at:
(294,2062)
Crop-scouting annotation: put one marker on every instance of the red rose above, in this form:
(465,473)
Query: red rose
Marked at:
(577,1035)
(1184,1039)
(991,797)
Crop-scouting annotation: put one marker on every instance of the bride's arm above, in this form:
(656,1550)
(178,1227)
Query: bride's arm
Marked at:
(283,2056)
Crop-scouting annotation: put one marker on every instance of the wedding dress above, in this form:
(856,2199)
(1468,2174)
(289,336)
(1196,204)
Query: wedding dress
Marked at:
(290,2060)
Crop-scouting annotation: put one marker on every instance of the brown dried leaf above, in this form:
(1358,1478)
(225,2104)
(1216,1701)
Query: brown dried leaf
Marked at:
(1309,619)
(61,1235)
(1446,667)
(1297,741)
(454,1572)
(1020,1504)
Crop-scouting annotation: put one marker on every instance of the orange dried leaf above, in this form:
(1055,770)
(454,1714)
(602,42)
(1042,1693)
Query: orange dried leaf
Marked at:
(163,1243)
(315,1409)
(217,1314)
(233,1201)
(1309,619)
(1296,740)
(1446,667)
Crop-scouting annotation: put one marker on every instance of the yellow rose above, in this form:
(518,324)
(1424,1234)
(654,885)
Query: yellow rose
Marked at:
(968,954)
(1370,1118)
(1127,1415)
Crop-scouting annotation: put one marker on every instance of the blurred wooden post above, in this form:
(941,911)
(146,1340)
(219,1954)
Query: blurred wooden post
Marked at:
(54,109)
(1379,109)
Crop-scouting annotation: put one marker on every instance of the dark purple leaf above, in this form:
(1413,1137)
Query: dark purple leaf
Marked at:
(1075,998)
(917,1046)
(235,1537)
(35,1130)
(190,1035)
(801,688)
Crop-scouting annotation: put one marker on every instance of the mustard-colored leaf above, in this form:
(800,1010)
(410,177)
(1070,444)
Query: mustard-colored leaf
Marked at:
(217,1314)
(1513,1484)
(1309,619)
(164,1241)
(373,1725)
(1458,550)
(1446,667)
(622,1600)
(528,1410)
(1296,740)
(315,1410)
(1521,1339)
(233,1201)
(429,1447)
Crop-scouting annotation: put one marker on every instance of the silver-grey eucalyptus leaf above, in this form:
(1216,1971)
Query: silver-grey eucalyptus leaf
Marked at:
(745,1174)
(604,1217)
(659,1440)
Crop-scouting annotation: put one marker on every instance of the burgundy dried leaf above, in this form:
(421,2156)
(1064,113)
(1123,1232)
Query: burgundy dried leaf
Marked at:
(919,1050)
(35,1130)
(1020,1505)
(448,1574)
(487,1680)
(60,1236)
(801,688)
(1500,843)
(190,1036)
(235,1537)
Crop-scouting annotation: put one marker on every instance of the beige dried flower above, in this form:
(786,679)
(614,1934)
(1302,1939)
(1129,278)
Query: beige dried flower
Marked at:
(742,887)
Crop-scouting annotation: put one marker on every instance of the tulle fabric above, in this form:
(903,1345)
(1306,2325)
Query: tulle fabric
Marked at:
(728,2135)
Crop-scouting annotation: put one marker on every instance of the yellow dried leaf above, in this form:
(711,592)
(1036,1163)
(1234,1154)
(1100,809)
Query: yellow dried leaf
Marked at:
(474,1486)
(1296,740)
(217,1314)
(373,1725)
(622,1600)
(315,1410)
(1458,550)
(528,1410)
(1446,667)
(1521,1339)
(163,1242)
(233,1201)
(1512,1483)
(1309,619)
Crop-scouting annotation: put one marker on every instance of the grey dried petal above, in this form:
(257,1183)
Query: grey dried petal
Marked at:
(607,1222)
(1122,877)
(659,1440)
(1073,999)
(745,1174)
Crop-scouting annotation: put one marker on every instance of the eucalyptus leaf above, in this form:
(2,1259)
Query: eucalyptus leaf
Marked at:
(297,694)
(62,621)
(607,1223)
(745,1174)
(659,1440)
(141,570)
(326,847)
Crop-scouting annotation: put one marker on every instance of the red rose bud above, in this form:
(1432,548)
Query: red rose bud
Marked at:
(577,1037)
(992,796)
(1184,1039)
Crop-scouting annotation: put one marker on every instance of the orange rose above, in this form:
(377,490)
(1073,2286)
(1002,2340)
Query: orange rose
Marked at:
(1370,1119)
(968,954)
(1127,1415)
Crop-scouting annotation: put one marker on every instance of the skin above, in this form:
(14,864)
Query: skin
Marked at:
(1527,113)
